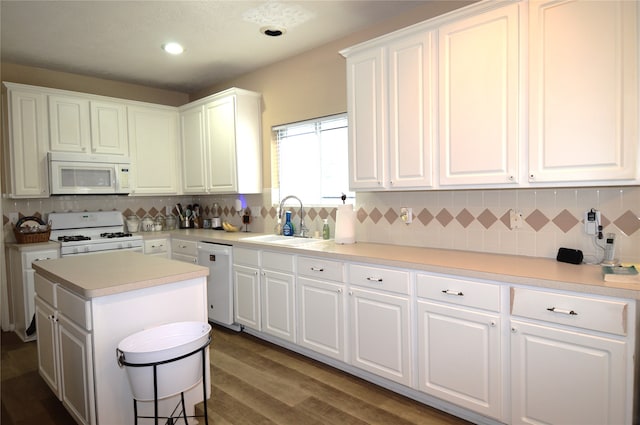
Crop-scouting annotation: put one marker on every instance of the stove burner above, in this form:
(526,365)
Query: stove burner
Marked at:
(73,238)
(115,235)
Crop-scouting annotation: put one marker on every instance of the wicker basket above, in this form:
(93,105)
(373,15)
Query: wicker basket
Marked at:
(31,237)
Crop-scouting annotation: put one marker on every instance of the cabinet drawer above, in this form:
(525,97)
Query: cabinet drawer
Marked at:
(248,257)
(78,310)
(180,246)
(277,261)
(320,268)
(45,289)
(459,291)
(30,257)
(186,258)
(589,313)
(379,278)
(154,246)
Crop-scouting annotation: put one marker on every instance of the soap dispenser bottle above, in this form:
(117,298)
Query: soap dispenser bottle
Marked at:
(326,232)
(287,227)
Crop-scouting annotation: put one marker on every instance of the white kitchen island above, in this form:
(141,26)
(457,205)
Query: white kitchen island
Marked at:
(87,304)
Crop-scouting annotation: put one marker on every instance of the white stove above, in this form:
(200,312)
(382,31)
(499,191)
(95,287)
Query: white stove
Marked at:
(92,232)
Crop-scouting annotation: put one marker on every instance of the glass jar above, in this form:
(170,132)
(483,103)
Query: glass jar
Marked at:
(170,222)
(133,224)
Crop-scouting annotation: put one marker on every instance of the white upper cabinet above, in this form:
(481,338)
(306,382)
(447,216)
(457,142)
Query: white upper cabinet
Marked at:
(221,143)
(366,107)
(109,128)
(390,97)
(153,133)
(412,117)
(27,143)
(479,98)
(583,91)
(85,125)
(194,167)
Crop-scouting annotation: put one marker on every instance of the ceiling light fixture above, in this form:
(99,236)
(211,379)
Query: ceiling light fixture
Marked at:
(173,48)
(273,31)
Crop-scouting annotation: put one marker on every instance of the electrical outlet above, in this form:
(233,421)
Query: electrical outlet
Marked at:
(255,211)
(592,222)
(13,217)
(406,214)
(515,219)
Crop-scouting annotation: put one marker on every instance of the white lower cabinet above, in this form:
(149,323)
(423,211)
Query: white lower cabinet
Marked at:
(379,326)
(184,250)
(459,342)
(246,288)
(48,359)
(277,287)
(321,306)
(76,370)
(157,247)
(65,358)
(264,292)
(571,359)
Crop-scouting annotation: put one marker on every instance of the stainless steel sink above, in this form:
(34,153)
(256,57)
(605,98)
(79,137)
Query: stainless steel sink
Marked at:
(281,240)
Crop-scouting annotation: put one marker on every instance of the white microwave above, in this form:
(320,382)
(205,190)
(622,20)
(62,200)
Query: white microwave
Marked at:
(88,174)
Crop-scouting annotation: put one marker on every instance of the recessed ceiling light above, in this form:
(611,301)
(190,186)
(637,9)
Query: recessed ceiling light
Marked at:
(173,48)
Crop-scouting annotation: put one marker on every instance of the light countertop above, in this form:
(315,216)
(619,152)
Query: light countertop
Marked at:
(531,271)
(110,273)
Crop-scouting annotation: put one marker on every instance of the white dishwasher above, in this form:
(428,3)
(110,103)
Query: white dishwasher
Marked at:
(217,258)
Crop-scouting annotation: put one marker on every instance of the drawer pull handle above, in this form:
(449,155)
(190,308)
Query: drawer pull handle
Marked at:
(559,310)
(450,292)
(317,269)
(374,279)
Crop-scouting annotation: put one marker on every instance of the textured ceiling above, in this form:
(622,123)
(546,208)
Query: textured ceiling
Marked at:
(121,40)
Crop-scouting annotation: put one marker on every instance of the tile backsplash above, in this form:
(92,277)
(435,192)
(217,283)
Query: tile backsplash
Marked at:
(474,220)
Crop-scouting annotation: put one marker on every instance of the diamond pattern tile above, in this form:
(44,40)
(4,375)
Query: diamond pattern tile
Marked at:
(506,219)
(425,217)
(486,218)
(391,215)
(565,221)
(361,215)
(375,215)
(628,223)
(537,220)
(465,218)
(444,217)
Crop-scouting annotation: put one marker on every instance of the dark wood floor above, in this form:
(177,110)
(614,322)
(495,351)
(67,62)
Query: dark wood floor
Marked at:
(254,383)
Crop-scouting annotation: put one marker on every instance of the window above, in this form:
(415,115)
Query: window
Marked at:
(311,160)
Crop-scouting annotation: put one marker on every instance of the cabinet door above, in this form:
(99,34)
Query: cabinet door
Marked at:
(47,325)
(412,110)
(76,371)
(153,138)
(366,109)
(459,357)
(321,317)
(109,128)
(479,98)
(278,306)
(379,334)
(69,124)
(246,289)
(562,377)
(583,111)
(28,144)
(193,150)
(221,137)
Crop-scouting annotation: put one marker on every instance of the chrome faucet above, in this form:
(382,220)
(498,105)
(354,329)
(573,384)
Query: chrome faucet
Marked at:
(303,228)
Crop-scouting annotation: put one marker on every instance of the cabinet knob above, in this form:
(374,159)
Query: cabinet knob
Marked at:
(514,330)
(339,291)
(511,178)
(493,323)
